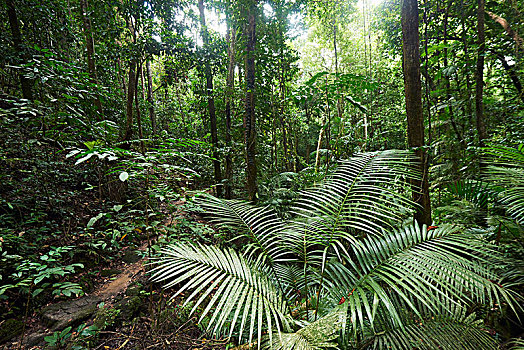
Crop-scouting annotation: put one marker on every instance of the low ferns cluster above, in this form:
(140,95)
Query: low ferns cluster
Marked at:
(348,270)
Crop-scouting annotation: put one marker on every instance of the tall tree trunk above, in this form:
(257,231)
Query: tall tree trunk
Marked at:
(150,102)
(132,84)
(90,45)
(512,74)
(180,105)
(479,73)
(282,91)
(413,96)
(448,85)
(231,38)
(131,87)
(464,35)
(26,84)
(327,128)
(138,115)
(211,104)
(512,33)
(319,145)
(308,144)
(249,119)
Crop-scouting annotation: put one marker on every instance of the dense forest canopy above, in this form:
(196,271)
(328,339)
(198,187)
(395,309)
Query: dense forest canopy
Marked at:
(284,174)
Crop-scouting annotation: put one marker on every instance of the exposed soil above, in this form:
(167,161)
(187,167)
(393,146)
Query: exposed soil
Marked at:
(130,313)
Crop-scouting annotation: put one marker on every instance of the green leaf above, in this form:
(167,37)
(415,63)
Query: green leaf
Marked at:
(94,219)
(123,176)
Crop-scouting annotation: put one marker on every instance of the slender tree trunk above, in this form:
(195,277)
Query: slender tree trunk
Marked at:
(308,144)
(138,114)
(131,87)
(319,145)
(211,104)
(327,128)
(274,129)
(150,102)
(231,38)
(282,92)
(464,35)
(448,85)
(180,105)
(121,75)
(512,74)
(90,45)
(26,84)
(249,119)
(413,96)
(479,74)
(512,33)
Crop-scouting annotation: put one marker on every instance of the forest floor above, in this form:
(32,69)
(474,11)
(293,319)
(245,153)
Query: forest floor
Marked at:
(124,310)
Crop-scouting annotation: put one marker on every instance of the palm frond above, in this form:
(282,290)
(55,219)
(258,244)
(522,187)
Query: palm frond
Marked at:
(293,279)
(339,269)
(242,295)
(517,344)
(367,193)
(477,192)
(453,330)
(507,171)
(420,266)
(317,335)
(261,224)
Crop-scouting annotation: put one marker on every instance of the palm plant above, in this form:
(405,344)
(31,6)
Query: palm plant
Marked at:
(507,172)
(348,269)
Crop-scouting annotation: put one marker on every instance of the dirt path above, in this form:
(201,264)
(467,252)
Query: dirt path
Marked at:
(58,316)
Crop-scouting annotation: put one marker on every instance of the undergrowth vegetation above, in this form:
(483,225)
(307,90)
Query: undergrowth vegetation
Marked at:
(346,267)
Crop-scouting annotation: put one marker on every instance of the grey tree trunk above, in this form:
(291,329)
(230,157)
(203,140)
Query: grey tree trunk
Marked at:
(211,104)
(249,119)
(479,74)
(413,97)
(231,38)
(90,45)
(26,84)
(150,101)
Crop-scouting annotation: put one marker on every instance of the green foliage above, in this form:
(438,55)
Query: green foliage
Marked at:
(507,171)
(75,193)
(34,276)
(411,282)
(59,338)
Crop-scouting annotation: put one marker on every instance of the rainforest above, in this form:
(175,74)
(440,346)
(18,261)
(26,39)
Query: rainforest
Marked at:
(262,174)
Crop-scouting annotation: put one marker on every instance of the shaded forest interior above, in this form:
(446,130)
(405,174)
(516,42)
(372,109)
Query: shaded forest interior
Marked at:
(280,174)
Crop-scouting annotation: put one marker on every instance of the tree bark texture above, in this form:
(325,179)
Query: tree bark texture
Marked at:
(211,104)
(150,101)
(131,87)
(413,97)
(448,84)
(26,84)
(249,118)
(90,45)
(138,115)
(512,74)
(231,38)
(479,73)
(512,33)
